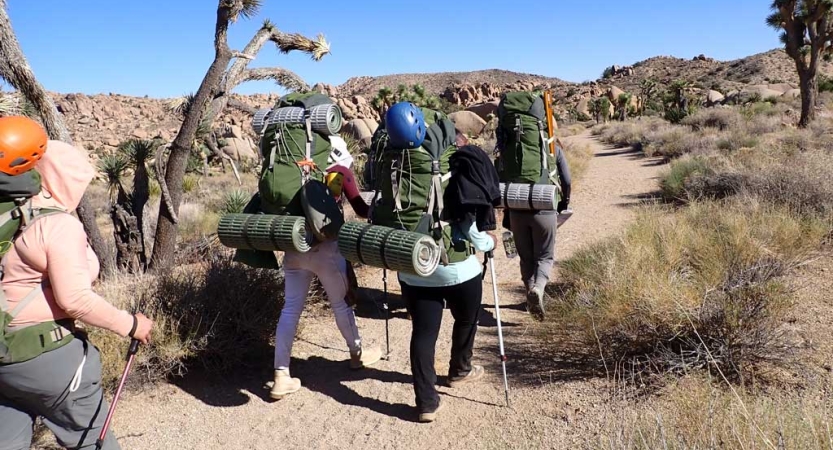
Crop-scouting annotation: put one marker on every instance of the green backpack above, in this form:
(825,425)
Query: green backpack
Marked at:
(410,186)
(289,184)
(17,214)
(523,153)
(284,146)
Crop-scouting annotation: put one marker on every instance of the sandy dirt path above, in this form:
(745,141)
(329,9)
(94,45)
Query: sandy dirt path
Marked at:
(552,405)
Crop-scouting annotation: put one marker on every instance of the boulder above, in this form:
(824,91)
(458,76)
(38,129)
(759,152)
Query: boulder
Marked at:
(780,87)
(485,109)
(793,93)
(140,134)
(583,107)
(239,149)
(359,129)
(613,94)
(468,122)
(761,90)
(714,98)
(236,131)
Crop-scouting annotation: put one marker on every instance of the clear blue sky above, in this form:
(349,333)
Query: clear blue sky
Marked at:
(162,48)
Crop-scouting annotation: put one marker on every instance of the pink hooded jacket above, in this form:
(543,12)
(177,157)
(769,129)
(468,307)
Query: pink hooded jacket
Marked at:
(55,248)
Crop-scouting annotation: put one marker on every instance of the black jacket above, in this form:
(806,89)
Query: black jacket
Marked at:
(473,189)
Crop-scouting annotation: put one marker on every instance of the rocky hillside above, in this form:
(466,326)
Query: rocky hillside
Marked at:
(100,122)
(438,82)
(772,67)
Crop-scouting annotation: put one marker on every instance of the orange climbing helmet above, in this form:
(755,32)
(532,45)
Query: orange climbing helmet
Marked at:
(22,144)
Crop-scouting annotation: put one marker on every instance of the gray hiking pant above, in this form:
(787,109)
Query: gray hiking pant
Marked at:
(534,233)
(41,387)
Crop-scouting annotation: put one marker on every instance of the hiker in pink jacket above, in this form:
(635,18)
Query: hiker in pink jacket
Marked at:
(52,260)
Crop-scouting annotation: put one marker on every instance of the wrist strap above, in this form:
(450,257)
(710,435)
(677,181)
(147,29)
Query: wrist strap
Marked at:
(135,325)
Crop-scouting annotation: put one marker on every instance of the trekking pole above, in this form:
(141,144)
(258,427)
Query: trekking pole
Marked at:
(490,256)
(387,313)
(131,354)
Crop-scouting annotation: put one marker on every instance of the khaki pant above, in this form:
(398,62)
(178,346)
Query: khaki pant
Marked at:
(534,234)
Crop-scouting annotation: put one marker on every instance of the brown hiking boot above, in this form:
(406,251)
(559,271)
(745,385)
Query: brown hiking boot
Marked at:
(284,385)
(474,374)
(365,357)
(428,417)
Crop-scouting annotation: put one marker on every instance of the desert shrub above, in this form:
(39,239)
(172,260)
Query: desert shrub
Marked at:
(673,141)
(701,414)
(231,308)
(737,139)
(697,289)
(673,182)
(675,115)
(719,118)
(763,124)
(170,345)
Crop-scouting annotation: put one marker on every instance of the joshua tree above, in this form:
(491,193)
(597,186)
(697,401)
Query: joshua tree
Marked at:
(14,69)
(648,90)
(623,102)
(217,83)
(415,94)
(806,31)
(594,107)
(604,108)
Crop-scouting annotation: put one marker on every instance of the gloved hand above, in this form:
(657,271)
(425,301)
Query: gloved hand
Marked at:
(562,205)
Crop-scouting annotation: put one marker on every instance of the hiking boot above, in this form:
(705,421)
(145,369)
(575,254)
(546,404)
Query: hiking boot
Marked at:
(428,417)
(474,374)
(535,303)
(284,385)
(365,357)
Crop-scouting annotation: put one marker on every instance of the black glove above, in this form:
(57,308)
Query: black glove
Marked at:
(562,205)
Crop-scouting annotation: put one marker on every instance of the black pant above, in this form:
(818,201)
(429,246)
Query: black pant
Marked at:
(425,304)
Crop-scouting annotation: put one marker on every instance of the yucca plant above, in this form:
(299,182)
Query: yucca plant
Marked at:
(235,201)
(114,167)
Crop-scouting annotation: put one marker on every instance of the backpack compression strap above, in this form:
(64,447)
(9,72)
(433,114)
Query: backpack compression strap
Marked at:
(435,196)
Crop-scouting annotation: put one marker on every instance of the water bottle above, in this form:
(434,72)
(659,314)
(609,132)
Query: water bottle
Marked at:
(509,244)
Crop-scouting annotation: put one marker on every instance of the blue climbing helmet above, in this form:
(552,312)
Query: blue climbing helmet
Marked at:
(405,125)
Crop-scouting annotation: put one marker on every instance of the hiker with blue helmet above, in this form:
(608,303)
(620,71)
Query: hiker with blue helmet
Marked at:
(413,170)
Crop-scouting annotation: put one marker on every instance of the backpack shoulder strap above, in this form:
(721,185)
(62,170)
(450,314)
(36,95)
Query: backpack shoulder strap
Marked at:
(26,222)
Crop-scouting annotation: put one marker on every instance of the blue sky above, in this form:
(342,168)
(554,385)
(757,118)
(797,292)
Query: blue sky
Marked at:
(162,48)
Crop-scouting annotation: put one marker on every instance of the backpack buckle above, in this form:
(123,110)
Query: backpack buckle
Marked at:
(435,167)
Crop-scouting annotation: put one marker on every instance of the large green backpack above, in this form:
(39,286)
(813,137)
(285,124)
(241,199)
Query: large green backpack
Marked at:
(283,146)
(522,139)
(16,214)
(410,186)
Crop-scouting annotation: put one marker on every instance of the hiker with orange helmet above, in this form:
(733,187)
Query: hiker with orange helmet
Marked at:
(47,367)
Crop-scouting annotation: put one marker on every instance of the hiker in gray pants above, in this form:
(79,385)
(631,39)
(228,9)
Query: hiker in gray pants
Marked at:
(534,233)
(48,368)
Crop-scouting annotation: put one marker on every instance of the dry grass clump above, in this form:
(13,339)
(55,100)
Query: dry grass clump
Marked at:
(699,414)
(721,119)
(578,158)
(692,290)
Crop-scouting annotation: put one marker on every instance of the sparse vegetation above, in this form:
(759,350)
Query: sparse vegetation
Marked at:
(694,290)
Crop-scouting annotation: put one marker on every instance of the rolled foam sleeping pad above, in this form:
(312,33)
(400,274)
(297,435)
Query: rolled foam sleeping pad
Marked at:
(325,119)
(389,248)
(535,197)
(264,232)
(260,119)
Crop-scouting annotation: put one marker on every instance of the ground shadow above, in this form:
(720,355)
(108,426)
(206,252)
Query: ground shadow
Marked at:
(370,304)
(648,198)
(620,151)
(228,388)
(327,377)
(317,374)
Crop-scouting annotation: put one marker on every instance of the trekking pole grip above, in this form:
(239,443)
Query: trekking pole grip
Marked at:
(134,348)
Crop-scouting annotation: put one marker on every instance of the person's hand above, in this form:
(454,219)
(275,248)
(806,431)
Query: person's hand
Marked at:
(494,239)
(143,328)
